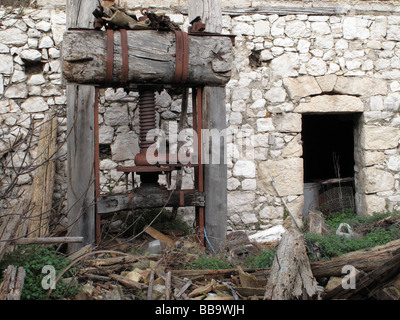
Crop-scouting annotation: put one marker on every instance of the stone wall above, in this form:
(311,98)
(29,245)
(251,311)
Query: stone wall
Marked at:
(285,66)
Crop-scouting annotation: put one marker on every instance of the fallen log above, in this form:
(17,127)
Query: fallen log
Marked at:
(291,277)
(366,260)
(366,285)
(151,58)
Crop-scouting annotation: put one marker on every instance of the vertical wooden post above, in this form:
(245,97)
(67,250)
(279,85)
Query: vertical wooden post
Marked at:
(214,117)
(80,141)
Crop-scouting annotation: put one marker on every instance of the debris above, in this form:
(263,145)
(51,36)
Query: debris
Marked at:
(159,236)
(202,290)
(271,235)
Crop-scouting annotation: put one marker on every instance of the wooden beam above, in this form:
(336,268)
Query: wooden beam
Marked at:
(279,10)
(80,141)
(84,58)
(214,117)
(157,198)
(47,240)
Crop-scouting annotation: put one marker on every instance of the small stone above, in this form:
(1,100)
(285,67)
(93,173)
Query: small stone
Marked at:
(46,42)
(6,64)
(13,36)
(31,55)
(106,134)
(35,104)
(243,168)
(17,91)
(43,26)
(36,79)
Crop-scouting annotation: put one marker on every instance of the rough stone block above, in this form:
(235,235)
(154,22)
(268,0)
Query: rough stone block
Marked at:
(376,180)
(379,137)
(301,87)
(331,103)
(360,86)
(287,173)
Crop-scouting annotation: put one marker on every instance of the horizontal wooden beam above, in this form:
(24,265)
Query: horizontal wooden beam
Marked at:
(47,240)
(147,198)
(279,10)
(151,58)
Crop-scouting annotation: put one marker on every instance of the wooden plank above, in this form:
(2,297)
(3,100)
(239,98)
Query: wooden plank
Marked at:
(48,240)
(43,182)
(214,117)
(158,235)
(84,58)
(80,141)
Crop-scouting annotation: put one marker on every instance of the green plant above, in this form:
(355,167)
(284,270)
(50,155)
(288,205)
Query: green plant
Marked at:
(263,260)
(33,259)
(209,262)
(334,245)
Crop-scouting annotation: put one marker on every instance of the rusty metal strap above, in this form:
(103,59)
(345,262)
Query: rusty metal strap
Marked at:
(125,56)
(110,56)
(181,57)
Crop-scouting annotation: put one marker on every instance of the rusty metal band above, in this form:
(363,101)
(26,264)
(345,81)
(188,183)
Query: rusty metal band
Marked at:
(181,198)
(110,56)
(125,56)
(181,57)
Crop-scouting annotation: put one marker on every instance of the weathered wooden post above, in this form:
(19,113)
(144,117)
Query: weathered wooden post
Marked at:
(80,141)
(214,117)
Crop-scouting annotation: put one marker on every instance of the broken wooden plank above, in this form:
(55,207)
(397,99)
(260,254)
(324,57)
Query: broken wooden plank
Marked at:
(128,282)
(43,182)
(151,58)
(158,235)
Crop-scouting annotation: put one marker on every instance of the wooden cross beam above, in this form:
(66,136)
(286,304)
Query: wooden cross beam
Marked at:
(151,58)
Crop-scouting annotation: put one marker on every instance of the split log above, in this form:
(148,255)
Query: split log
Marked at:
(11,287)
(43,182)
(151,56)
(291,277)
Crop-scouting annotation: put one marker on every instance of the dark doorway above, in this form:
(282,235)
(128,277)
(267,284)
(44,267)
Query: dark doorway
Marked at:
(328,146)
